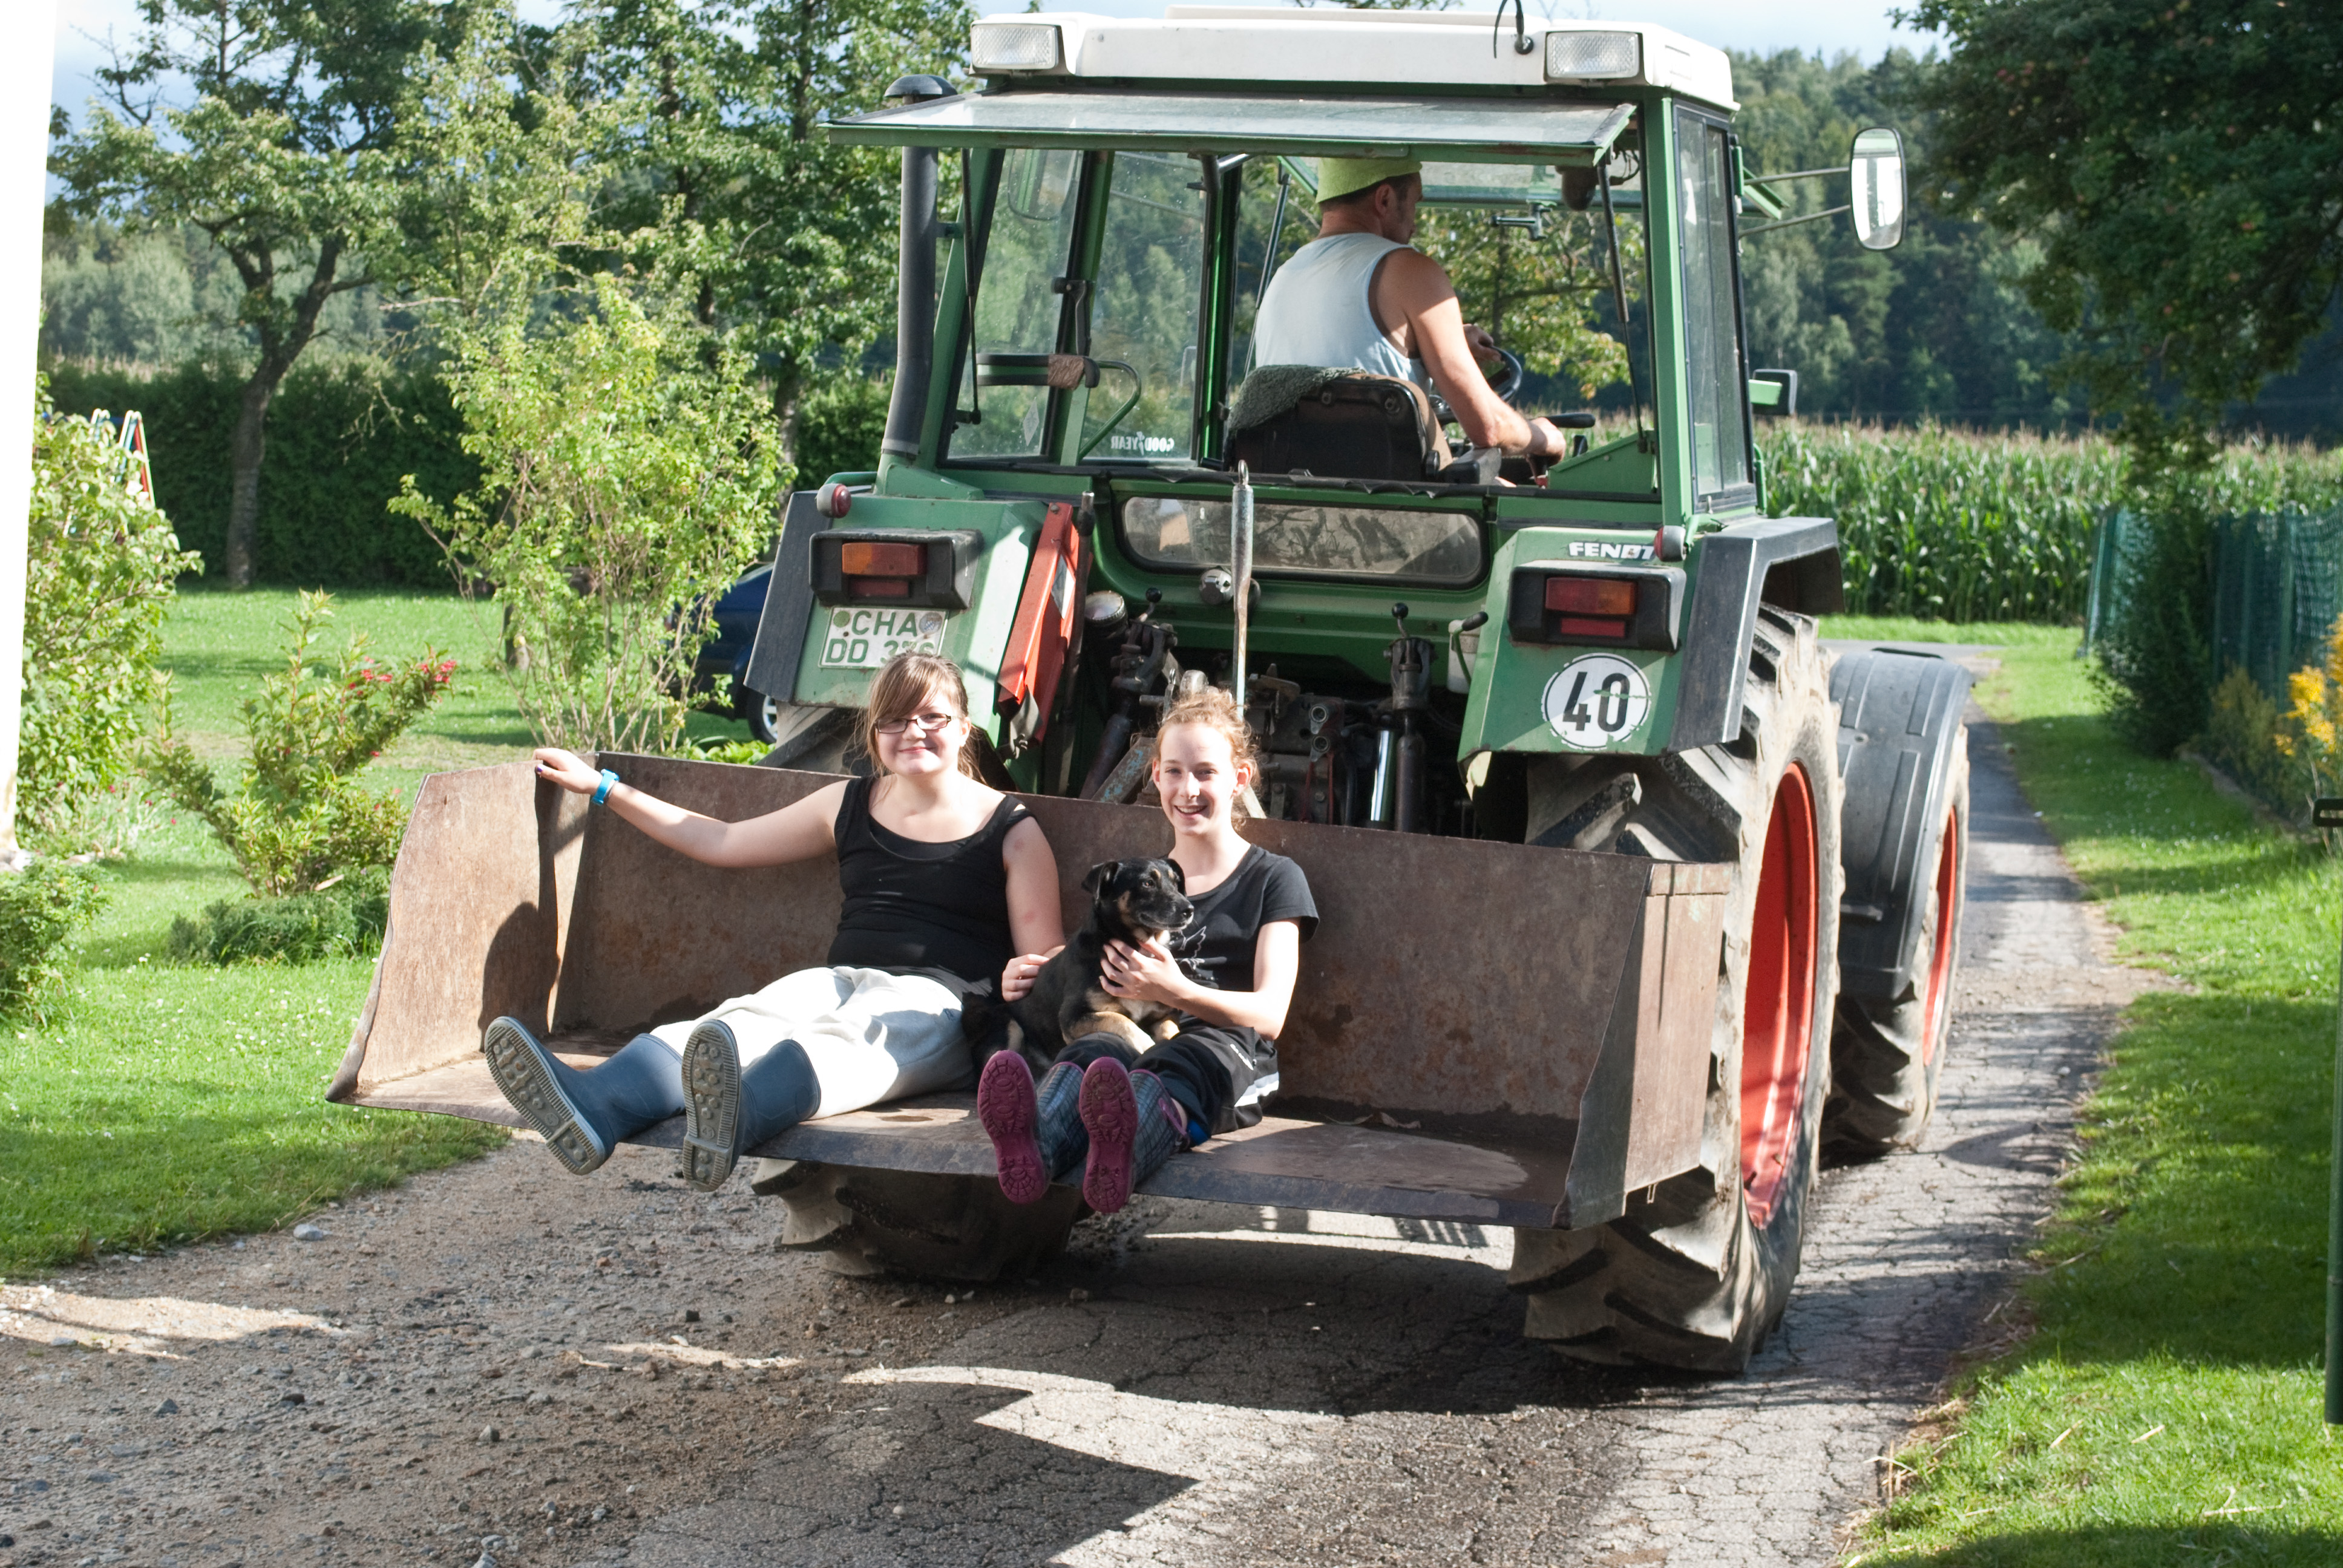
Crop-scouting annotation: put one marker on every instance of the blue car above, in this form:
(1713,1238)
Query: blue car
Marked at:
(727,653)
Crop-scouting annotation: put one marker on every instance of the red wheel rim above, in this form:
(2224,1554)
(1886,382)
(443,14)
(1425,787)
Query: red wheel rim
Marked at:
(1940,962)
(1778,1008)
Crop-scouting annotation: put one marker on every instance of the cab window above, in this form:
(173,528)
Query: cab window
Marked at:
(1715,382)
(1017,307)
(1150,278)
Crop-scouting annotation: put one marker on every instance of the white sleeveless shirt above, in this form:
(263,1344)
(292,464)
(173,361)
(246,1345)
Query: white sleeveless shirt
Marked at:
(1317,311)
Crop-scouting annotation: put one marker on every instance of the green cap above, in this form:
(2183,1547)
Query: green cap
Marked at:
(1340,177)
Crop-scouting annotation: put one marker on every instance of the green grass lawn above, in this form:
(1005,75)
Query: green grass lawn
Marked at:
(162,1102)
(2167,1408)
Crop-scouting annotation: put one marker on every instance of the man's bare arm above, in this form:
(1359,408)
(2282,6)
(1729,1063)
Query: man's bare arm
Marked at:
(1413,289)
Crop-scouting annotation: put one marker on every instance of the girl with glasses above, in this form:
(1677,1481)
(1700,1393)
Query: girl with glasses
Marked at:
(944,878)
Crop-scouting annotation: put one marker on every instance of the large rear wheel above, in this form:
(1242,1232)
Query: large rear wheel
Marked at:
(1699,1268)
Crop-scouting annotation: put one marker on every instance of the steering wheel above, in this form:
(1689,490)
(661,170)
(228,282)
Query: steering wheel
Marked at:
(1508,380)
(1507,383)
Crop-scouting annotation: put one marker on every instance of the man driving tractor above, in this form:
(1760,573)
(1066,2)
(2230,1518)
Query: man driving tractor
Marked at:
(1359,295)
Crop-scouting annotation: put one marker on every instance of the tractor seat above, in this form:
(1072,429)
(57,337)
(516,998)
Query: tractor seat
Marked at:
(1340,423)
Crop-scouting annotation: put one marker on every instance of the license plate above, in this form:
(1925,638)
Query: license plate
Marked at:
(857,637)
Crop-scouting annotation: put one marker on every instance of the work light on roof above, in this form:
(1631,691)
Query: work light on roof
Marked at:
(1581,57)
(1013,46)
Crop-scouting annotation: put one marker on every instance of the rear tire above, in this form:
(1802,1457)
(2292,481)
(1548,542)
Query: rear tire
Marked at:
(1698,1271)
(1887,1055)
(866,1221)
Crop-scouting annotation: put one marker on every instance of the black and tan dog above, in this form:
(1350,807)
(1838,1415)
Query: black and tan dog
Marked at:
(1131,901)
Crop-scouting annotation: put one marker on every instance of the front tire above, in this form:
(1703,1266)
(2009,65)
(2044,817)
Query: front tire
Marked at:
(1699,1270)
(866,1221)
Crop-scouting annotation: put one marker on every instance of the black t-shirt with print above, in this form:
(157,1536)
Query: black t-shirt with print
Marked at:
(1218,945)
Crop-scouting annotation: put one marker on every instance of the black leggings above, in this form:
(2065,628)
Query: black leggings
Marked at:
(1194,1073)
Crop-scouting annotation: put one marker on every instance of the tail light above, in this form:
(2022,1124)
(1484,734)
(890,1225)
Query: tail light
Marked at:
(905,567)
(1623,608)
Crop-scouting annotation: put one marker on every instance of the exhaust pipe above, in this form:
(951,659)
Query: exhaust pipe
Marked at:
(1411,686)
(915,296)
(1240,568)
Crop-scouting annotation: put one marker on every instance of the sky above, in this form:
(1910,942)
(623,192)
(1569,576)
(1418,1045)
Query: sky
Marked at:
(1828,26)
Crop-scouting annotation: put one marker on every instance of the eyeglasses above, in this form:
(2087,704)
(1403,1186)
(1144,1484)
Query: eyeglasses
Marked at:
(933,723)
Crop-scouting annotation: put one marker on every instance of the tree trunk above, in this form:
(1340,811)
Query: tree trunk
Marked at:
(245,447)
(789,401)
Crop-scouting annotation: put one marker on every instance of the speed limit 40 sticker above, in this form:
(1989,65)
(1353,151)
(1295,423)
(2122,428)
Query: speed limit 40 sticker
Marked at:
(1597,700)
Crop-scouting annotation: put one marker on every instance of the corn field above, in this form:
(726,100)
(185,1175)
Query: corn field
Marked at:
(1949,526)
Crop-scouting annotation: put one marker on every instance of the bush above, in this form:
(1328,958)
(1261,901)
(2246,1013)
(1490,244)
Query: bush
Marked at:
(2250,739)
(839,426)
(299,818)
(2155,652)
(103,824)
(628,468)
(42,909)
(345,921)
(100,564)
(340,435)
(2156,657)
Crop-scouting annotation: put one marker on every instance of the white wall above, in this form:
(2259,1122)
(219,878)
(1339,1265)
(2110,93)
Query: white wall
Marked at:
(23,167)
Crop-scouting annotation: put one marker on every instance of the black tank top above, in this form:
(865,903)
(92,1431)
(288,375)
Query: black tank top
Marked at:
(914,908)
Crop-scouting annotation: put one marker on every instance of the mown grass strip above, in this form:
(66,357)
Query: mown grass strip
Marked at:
(2166,1409)
(163,1103)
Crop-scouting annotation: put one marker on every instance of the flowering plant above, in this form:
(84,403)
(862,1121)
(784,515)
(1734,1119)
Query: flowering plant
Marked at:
(298,819)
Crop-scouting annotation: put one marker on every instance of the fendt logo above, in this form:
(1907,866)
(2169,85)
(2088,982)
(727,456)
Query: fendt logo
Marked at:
(1605,550)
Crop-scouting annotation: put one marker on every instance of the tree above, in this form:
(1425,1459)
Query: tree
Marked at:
(1539,291)
(720,174)
(1936,328)
(628,467)
(2180,164)
(283,152)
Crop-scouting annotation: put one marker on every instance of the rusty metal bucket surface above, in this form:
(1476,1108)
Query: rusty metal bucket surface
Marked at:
(1481,1030)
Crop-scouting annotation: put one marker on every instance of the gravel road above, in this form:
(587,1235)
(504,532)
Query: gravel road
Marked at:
(503,1364)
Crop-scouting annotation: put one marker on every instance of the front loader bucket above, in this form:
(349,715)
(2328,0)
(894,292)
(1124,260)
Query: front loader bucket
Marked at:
(1482,1032)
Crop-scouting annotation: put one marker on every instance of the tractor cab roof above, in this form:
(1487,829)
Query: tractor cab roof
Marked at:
(1575,132)
(1372,50)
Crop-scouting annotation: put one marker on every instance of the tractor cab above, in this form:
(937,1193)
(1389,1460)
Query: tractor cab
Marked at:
(1127,190)
(1087,239)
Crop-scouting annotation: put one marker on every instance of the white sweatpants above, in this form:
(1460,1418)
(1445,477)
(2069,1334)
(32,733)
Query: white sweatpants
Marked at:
(871,1036)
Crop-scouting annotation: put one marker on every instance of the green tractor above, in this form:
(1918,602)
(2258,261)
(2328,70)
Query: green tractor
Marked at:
(1636,897)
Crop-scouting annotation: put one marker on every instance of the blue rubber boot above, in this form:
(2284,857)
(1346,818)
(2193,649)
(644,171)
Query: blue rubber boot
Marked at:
(1162,1126)
(729,1110)
(1058,1122)
(582,1115)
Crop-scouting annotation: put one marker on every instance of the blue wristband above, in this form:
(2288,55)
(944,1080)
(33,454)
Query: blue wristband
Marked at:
(602,790)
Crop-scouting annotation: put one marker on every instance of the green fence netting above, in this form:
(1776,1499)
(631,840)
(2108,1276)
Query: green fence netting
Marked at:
(2277,581)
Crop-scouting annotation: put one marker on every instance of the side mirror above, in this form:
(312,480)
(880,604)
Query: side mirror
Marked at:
(1876,170)
(1773,392)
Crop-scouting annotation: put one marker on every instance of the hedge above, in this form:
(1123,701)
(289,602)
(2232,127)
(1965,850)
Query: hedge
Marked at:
(340,434)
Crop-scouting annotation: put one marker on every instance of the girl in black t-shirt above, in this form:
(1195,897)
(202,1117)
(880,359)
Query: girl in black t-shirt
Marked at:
(1230,974)
(943,879)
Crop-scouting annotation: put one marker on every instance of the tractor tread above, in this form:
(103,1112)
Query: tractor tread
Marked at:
(1690,1281)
